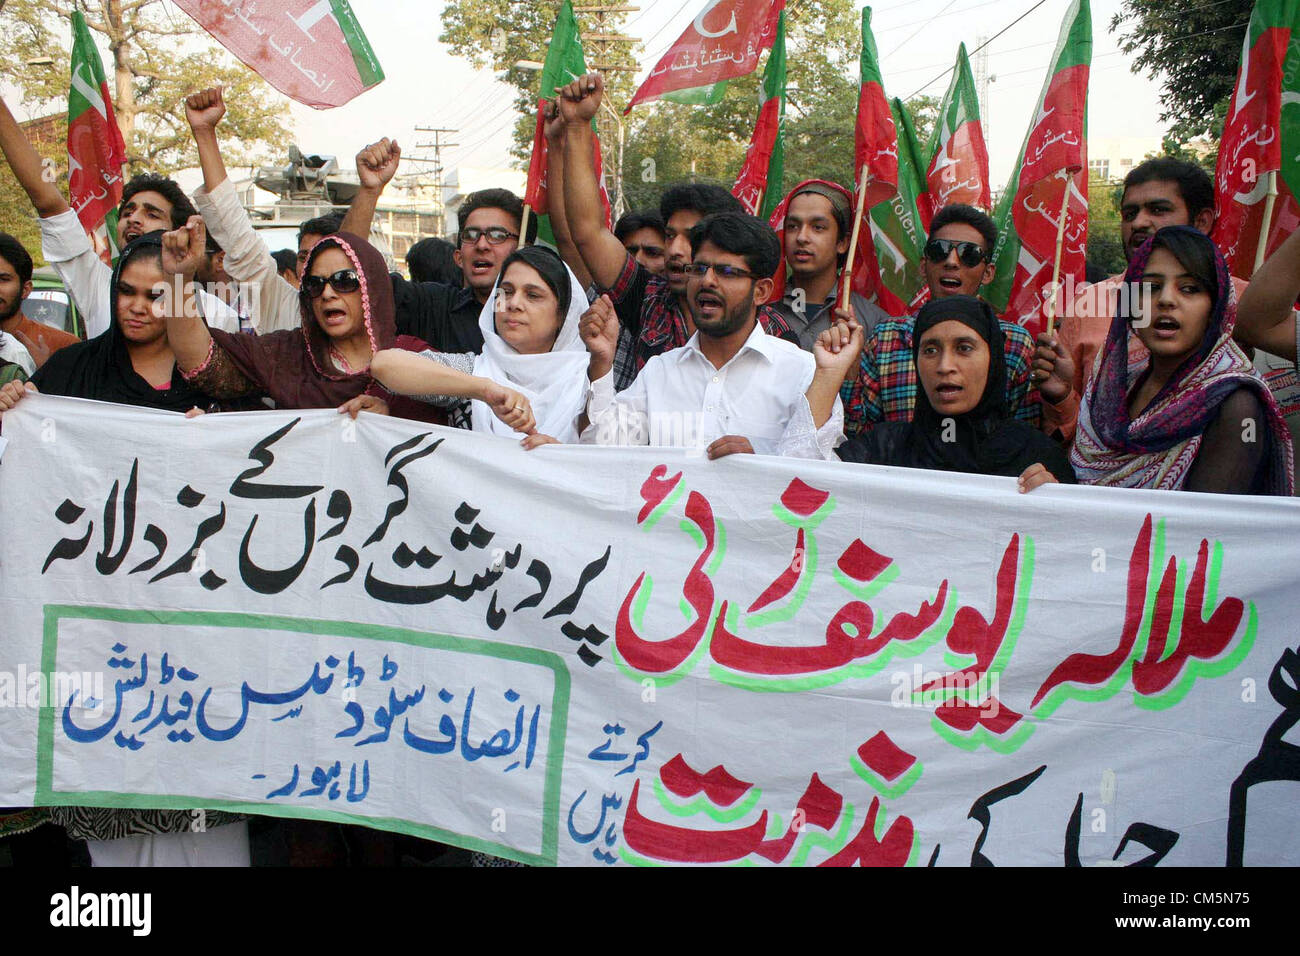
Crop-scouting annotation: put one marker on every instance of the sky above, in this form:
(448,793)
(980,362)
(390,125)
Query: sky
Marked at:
(917,41)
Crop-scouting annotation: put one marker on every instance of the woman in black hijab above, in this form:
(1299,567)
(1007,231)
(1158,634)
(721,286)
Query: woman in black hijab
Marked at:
(961,422)
(130,363)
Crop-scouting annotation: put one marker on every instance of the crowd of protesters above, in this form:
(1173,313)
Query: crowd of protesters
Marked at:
(695,312)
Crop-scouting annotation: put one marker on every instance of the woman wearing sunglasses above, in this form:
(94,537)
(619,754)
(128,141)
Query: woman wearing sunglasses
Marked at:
(346,302)
(530,342)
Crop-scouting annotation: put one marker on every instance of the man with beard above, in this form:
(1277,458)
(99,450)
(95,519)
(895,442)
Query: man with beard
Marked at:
(732,388)
(41,341)
(149,203)
(651,308)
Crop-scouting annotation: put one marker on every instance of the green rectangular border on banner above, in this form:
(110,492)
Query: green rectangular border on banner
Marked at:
(46,795)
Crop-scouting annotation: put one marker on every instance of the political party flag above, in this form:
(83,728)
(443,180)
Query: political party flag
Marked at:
(957,159)
(723,41)
(1050,179)
(565,62)
(899,226)
(875,149)
(759,185)
(1260,146)
(313,51)
(96,152)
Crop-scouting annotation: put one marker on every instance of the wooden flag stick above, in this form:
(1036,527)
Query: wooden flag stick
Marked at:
(523,225)
(1261,247)
(1067,175)
(864,180)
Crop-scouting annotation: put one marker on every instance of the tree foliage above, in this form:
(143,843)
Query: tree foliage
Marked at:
(666,142)
(157,56)
(1194,49)
(1105,246)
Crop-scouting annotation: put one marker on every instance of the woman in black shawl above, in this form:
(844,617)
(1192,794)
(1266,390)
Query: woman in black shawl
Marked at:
(131,363)
(961,422)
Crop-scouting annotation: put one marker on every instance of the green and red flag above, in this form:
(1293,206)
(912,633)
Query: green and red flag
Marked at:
(313,51)
(875,150)
(1261,135)
(722,42)
(565,62)
(1050,177)
(759,185)
(899,226)
(957,158)
(96,152)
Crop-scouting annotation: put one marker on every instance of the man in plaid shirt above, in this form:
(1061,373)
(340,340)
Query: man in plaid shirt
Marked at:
(651,309)
(958,261)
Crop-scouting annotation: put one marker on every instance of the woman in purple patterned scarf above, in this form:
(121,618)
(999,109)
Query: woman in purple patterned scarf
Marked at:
(1194,416)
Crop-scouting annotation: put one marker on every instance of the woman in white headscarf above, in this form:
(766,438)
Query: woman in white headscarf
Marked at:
(530,345)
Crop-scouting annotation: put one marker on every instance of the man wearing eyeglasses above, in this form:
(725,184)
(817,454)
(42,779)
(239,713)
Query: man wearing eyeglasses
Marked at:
(651,309)
(732,388)
(958,260)
(488,221)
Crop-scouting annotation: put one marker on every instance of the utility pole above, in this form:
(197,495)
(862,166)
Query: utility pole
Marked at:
(982,81)
(438,145)
(601,45)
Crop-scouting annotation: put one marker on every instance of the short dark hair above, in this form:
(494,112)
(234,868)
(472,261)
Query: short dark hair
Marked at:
(547,263)
(637,220)
(321,225)
(286,260)
(742,235)
(182,208)
(704,198)
(970,216)
(502,199)
(430,260)
(12,251)
(1194,184)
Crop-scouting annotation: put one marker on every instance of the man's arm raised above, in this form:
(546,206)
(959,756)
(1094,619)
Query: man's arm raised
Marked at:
(600,249)
(1265,315)
(27,166)
(376,167)
(555,196)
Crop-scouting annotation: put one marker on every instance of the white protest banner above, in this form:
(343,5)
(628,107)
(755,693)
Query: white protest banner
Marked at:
(639,656)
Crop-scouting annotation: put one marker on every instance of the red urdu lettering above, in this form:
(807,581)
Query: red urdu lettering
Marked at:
(993,715)
(866,850)
(720,787)
(861,564)
(662,841)
(971,634)
(1098,668)
(885,757)
(803,500)
(820,806)
(1205,639)
(660,657)
(786,581)
(655,490)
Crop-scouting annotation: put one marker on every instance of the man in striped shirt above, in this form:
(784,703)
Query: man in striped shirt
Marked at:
(957,261)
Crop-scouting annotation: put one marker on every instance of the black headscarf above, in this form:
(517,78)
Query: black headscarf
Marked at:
(101,369)
(984,441)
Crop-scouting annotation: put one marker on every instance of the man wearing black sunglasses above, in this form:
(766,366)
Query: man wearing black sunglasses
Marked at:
(957,260)
(445,316)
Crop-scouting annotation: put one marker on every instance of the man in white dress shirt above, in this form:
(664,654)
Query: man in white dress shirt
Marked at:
(732,388)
